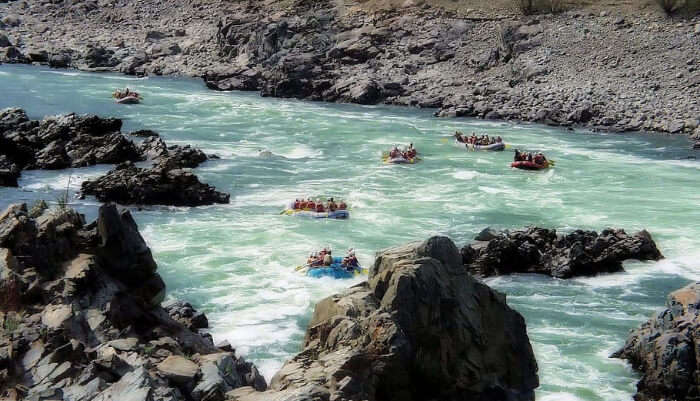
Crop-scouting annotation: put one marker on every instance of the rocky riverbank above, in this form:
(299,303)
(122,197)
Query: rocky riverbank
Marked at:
(78,141)
(81,316)
(543,251)
(666,349)
(484,61)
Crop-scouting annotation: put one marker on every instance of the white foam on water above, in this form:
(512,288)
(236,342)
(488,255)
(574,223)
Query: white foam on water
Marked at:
(236,262)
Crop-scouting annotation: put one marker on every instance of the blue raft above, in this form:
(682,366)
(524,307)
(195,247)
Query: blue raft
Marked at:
(336,270)
(338,214)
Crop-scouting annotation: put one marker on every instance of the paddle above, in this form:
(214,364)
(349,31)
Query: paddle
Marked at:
(296,269)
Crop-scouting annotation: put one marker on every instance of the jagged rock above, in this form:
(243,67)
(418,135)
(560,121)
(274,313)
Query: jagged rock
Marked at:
(128,184)
(540,250)
(91,326)
(185,314)
(665,349)
(178,369)
(4,41)
(407,333)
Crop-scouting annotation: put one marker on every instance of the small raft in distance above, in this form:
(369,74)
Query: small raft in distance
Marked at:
(527,165)
(494,147)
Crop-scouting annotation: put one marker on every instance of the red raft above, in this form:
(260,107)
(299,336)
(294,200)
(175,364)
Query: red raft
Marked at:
(525,165)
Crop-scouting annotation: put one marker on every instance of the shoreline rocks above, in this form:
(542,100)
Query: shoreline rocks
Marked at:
(71,140)
(483,62)
(80,316)
(419,328)
(543,251)
(665,349)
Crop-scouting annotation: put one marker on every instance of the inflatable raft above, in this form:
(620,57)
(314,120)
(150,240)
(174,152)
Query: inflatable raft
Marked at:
(494,147)
(335,270)
(338,214)
(129,100)
(525,165)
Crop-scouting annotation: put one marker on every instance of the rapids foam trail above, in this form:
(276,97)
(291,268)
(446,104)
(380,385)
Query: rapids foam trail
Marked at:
(236,262)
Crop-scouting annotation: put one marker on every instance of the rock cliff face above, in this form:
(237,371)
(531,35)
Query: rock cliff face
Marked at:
(81,318)
(541,250)
(666,349)
(420,328)
(78,141)
(467,58)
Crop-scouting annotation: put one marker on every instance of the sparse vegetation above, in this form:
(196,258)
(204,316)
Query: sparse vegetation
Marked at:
(11,323)
(671,6)
(62,201)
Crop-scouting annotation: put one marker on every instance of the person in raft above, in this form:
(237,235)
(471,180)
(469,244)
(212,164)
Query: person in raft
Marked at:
(395,153)
(538,158)
(319,207)
(350,261)
(410,153)
(483,140)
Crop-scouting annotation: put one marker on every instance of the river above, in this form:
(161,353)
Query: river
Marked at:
(236,262)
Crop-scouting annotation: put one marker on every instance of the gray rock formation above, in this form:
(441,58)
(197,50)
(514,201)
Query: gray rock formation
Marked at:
(420,328)
(665,349)
(466,58)
(543,251)
(162,184)
(80,317)
(77,141)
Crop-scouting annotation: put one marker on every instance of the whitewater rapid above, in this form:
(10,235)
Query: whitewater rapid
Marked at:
(236,262)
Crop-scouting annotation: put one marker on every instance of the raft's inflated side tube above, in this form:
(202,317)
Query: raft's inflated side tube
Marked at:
(336,270)
(525,165)
(338,214)
(493,147)
(129,100)
(399,160)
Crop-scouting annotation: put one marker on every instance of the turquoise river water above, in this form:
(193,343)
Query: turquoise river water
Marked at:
(236,262)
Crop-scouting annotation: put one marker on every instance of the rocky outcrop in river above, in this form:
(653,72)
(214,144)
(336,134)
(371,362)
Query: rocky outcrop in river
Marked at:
(78,141)
(666,349)
(80,317)
(420,328)
(466,58)
(159,185)
(543,251)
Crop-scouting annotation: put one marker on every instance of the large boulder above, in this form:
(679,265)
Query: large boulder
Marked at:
(541,250)
(159,185)
(665,349)
(420,328)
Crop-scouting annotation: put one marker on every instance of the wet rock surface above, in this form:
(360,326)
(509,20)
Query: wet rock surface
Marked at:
(84,140)
(480,62)
(81,318)
(420,328)
(543,251)
(665,349)
(161,184)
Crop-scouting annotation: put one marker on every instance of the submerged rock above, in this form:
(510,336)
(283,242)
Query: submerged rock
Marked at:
(665,349)
(81,317)
(420,328)
(541,250)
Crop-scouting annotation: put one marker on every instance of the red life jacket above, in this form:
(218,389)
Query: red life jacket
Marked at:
(342,206)
(296,205)
(319,208)
(311,205)
(302,205)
